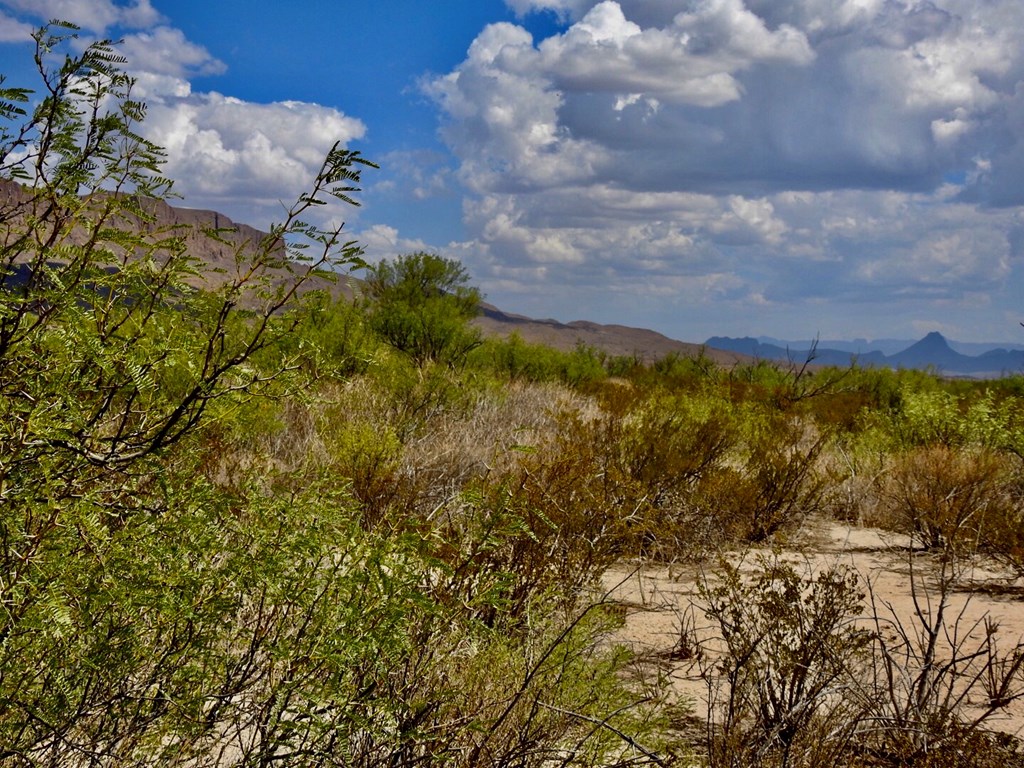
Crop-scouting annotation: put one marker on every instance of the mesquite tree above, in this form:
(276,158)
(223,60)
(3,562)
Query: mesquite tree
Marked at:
(421,305)
(139,606)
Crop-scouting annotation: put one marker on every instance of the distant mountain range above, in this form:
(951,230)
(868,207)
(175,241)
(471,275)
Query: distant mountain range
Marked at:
(933,351)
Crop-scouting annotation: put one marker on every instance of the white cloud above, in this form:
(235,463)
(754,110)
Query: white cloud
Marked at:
(605,23)
(93,15)
(504,119)
(14,31)
(727,27)
(165,51)
(749,222)
(946,131)
(243,157)
(384,242)
(419,174)
(787,152)
(692,61)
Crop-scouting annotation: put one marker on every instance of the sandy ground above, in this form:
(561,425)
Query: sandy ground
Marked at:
(662,604)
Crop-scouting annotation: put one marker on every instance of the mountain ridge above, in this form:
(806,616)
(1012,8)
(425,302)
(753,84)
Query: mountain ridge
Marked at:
(618,340)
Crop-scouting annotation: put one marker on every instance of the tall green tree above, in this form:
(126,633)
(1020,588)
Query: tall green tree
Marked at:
(422,305)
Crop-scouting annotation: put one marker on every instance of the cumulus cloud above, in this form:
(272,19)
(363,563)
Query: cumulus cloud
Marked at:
(247,160)
(781,150)
(224,151)
(606,52)
(504,122)
(92,15)
(165,51)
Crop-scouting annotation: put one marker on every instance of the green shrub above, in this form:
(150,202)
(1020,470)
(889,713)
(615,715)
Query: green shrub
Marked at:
(332,338)
(421,305)
(368,455)
(939,417)
(676,371)
(516,360)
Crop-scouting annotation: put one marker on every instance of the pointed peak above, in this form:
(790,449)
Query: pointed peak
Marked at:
(933,340)
(932,350)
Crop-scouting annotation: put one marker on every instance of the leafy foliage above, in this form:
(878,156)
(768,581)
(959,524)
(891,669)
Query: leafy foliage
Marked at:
(421,306)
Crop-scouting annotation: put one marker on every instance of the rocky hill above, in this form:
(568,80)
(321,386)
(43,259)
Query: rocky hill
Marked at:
(219,253)
(933,351)
(196,227)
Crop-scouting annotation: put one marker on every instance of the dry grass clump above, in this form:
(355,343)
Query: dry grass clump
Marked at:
(776,486)
(960,501)
(944,497)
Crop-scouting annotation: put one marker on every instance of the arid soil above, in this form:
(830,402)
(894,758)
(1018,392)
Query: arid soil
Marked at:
(665,619)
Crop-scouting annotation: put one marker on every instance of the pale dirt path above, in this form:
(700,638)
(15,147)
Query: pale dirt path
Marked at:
(660,600)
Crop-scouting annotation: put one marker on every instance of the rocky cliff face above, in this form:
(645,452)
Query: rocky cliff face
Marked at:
(194,226)
(221,246)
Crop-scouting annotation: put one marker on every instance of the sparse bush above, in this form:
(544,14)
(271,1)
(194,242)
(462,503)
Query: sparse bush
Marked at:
(556,695)
(568,522)
(791,650)
(941,417)
(774,486)
(802,678)
(669,449)
(583,366)
(945,498)
(1002,535)
(853,468)
(935,679)
(668,444)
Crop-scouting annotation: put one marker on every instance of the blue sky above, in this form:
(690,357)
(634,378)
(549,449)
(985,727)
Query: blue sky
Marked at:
(848,168)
